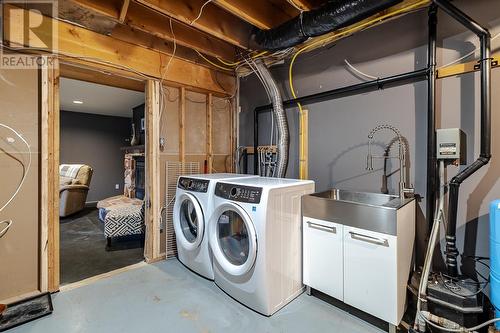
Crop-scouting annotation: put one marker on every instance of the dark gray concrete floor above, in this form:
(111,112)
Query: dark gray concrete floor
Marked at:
(83,253)
(167,297)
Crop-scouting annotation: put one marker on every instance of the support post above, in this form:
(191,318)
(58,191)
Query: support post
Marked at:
(209,133)
(431,119)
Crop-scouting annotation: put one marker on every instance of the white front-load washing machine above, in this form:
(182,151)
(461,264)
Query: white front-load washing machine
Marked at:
(192,208)
(256,240)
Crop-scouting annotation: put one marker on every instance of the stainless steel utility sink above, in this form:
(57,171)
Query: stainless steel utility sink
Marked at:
(366,210)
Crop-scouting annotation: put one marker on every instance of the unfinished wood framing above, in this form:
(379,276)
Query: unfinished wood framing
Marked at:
(182,126)
(123,11)
(115,54)
(304,144)
(152,216)
(467,67)
(260,13)
(49,232)
(209,134)
(215,21)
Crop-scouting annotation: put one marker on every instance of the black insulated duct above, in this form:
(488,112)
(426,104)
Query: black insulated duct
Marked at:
(485,153)
(335,14)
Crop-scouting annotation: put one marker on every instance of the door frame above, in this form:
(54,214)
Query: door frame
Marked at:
(50,74)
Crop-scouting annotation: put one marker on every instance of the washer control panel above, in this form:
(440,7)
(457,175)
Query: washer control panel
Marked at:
(193,184)
(240,193)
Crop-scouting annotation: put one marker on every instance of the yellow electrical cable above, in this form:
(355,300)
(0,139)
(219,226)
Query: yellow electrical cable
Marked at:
(212,63)
(326,40)
(236,63)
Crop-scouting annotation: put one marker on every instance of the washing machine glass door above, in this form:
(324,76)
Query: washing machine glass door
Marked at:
(234,241)
(190,223)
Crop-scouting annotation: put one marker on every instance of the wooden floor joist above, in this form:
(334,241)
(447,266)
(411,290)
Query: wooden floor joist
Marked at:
(89,46)
(214,20)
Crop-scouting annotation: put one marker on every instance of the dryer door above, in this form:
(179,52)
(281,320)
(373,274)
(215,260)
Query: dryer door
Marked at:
(233,239)
(189,223)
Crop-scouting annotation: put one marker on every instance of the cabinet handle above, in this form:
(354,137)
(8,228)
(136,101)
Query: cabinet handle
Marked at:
(369,239)
(321,227)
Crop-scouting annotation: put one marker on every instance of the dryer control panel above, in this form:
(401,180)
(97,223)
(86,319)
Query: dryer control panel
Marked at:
(193,184)
(240,193)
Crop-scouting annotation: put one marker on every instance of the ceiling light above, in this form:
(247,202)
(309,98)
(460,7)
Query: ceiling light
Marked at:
(77,102)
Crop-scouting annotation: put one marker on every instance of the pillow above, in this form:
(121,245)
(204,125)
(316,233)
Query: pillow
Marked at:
(75,182)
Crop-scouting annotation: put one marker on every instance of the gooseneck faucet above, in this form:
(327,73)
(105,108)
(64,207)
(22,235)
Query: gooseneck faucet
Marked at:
(402,148)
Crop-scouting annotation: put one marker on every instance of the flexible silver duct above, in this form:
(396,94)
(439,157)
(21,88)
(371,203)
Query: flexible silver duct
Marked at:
(280,117)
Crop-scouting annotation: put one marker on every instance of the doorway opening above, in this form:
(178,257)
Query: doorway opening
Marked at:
(102,176)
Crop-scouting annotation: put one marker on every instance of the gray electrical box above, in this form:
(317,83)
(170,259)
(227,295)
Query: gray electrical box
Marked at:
(451,145)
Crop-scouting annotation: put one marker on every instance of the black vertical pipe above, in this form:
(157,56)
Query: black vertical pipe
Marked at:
(485,153)
(431,118)
(255,141)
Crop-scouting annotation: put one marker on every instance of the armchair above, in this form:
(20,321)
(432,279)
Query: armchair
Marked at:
(74,181)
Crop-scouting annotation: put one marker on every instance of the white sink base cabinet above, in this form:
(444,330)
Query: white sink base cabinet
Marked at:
(365,269)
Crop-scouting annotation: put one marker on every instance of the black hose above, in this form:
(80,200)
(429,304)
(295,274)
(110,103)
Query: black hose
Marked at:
(335,14)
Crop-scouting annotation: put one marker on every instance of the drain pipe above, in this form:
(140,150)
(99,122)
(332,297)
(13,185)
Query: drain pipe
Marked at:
(280,117)
(485,153)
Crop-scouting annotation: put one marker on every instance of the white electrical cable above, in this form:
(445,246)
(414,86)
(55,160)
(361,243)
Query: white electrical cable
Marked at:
(25,171)
(291,2)
(4,230)
(371,77)
(201,12)
(6,81)
(467,55)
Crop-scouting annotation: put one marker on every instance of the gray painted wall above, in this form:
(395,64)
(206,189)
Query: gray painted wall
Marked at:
(338,129)
(96,140)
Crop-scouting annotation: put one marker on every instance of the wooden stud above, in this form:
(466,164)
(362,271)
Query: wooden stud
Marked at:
(51,245)
(214,20)
(182,126)
(44,176)
(209,133)
(80,42)
(123,11)
(152,218)
(468,67)
(303,143)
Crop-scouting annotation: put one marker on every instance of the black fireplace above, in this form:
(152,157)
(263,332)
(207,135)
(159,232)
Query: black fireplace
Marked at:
(140,173)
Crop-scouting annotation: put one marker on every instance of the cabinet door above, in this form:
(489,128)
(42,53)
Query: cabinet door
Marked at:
(370,272)
(323,256)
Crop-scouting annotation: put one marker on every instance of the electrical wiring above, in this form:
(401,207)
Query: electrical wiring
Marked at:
(213,63)
(7,223)
(291,2)
(331,37)
(467,55)
(201,12)
(368,76)
(26,170)
(236,63)
(462,329)
(325,40)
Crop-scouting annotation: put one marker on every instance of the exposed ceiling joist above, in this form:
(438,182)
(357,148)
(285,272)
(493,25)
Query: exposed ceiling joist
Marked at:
(213,20)
(138,37)
(85,45)
(141,18)
(306,4)
(261,13)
